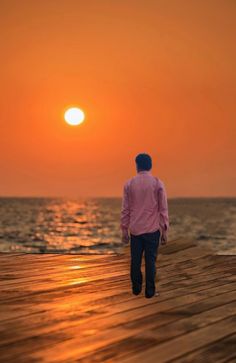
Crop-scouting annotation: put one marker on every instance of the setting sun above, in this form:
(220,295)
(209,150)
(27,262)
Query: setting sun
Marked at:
(74,116)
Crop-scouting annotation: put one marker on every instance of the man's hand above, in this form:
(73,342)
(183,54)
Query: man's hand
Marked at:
(125,238)
(164,238)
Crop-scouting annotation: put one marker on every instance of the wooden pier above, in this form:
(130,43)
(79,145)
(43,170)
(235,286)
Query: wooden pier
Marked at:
(79,308)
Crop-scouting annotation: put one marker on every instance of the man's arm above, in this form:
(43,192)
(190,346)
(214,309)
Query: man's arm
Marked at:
(125,213)
(163,211)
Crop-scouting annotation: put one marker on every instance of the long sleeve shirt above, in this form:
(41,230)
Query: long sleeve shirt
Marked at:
(144,205)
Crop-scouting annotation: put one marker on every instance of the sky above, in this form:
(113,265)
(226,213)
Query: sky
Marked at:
(152,76)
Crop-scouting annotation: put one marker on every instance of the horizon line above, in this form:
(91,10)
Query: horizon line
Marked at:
(111,196)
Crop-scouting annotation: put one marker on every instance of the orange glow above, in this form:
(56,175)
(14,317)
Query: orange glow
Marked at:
(152,76)
(77,281)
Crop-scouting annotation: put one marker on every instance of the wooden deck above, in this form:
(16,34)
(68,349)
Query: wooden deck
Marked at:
(77,308)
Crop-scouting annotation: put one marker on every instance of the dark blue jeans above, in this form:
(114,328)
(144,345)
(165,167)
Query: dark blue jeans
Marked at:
(147,243)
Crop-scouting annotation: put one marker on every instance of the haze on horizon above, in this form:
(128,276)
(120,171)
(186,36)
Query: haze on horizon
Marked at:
(152,76)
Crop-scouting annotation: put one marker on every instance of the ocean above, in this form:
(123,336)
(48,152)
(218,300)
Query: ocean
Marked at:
(91,225)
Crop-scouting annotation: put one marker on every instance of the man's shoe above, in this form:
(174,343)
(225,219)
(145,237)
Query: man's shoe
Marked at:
(136,292)
(149,296)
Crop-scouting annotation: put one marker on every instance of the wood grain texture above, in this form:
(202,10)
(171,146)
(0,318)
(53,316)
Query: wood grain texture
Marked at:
(79,308)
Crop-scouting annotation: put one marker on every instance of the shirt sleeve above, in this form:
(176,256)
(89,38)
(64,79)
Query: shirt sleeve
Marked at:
(163,209)
(125,211)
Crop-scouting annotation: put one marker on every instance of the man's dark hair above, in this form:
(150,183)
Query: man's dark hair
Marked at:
(143,161)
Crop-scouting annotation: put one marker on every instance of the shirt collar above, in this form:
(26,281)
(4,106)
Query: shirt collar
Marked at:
(144,172)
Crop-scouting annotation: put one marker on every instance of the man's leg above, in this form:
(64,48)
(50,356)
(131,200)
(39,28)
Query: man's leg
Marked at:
(151,245)
(136,251)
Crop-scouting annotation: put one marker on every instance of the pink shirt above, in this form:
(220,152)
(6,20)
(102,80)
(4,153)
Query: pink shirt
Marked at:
(144,205)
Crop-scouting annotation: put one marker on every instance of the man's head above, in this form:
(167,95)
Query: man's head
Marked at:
(143,162)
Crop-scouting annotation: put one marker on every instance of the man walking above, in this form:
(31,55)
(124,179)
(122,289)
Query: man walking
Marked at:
(144,213)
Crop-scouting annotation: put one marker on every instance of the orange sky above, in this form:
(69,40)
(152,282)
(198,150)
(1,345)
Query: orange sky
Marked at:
(152,76)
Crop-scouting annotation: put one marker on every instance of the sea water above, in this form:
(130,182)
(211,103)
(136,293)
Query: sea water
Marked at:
(91,225)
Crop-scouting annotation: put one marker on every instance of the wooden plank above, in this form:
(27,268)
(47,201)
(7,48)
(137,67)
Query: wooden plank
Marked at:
(74,272)
(70,347)
(222,351)
(187,342)
(61,323)
(178,298)
(66,308)
(119,333)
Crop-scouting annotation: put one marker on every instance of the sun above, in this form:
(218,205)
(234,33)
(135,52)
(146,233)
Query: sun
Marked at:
(74,116)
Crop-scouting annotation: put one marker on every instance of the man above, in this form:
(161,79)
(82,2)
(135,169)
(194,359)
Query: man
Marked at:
(144,213)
